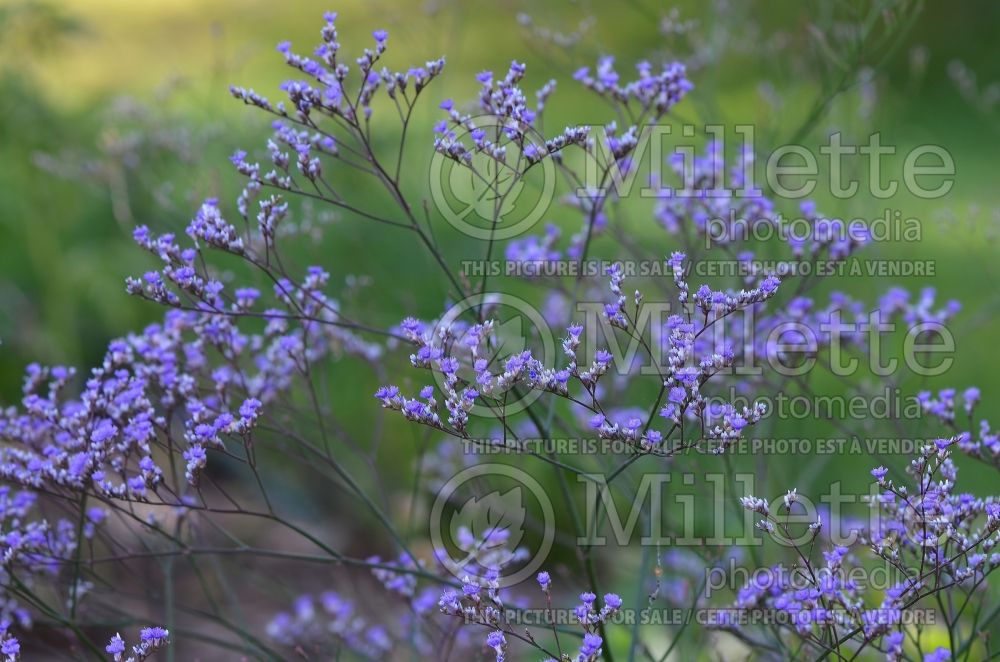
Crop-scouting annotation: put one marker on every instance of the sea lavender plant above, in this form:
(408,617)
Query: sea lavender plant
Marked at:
(937,542)
(172,451)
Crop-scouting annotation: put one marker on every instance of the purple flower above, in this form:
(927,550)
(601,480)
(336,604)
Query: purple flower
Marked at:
(116,645)
(941,654)
(677,395)
(104,431)
(11,647)
(250,409)
(153,634)
(591,645)
(387,392)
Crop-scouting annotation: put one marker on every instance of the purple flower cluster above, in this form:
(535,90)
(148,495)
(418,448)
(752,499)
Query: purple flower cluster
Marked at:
(708,203)
(104,439)
(10,647)
(480,602)
(442,347)
(150,640)
(504,120)
(654,92)
(317,621)
(933,538)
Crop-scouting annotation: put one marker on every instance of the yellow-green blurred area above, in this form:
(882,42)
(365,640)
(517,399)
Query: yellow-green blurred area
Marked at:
(115,113)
